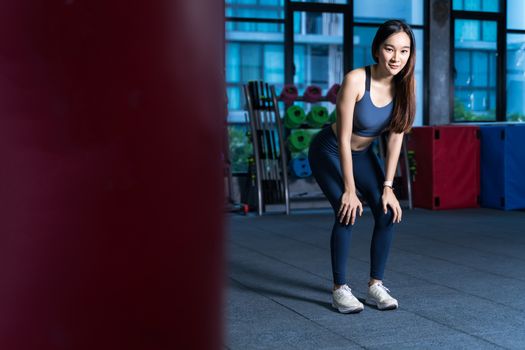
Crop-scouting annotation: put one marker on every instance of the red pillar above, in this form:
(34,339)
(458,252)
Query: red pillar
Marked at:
(111,199)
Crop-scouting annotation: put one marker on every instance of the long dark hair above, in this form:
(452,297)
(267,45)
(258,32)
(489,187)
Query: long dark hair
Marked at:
(405,97)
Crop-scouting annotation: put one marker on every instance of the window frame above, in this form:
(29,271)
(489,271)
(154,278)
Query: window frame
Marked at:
(501,61)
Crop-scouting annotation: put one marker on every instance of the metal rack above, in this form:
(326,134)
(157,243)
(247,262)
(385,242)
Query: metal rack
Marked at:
(268,146)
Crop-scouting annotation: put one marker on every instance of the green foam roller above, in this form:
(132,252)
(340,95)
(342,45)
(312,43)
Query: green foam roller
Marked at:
(318,116)
(294,117)
(299,140)
(333,116)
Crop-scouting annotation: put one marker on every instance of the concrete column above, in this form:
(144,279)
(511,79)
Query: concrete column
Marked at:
(440,77)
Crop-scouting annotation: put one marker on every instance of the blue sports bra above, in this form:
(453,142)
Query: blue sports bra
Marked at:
(370,120)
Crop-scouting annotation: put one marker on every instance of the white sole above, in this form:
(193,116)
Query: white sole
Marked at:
(348,310)
(381,306)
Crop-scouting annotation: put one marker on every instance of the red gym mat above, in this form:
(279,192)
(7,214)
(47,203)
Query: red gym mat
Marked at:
(447,166)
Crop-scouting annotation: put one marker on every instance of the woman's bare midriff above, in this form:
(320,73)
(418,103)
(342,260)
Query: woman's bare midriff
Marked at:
(357,143)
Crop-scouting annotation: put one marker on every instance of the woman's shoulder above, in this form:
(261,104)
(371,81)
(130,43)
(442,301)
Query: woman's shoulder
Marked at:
(355,76)
(354,82)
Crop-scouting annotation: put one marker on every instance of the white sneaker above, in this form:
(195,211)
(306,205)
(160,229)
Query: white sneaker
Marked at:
(378,296)
(344,301)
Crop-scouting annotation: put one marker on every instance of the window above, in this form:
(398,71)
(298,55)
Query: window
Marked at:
(516,77)
(265,9)
(515,14)
(482,92)
(254,51)
(515,84)
(476,5)
(323,1)
(318,50)
(475,44)
(378,11)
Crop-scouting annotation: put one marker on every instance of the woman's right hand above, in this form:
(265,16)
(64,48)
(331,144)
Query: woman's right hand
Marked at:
(350,204)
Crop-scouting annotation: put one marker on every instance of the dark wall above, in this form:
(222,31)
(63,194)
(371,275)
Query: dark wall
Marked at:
(111,194)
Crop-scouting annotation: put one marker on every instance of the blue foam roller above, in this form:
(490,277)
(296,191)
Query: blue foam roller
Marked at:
(301,167)
(503,166)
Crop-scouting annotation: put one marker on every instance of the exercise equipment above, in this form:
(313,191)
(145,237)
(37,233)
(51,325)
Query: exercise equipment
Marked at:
(312,93)
(269,174)
(318,116)
(300,166)
(294,117)
(503,166)
(299,140)
(289,94)
(331,95)
(447,159)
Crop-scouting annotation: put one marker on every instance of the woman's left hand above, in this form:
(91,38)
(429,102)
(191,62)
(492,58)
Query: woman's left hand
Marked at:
(389,199)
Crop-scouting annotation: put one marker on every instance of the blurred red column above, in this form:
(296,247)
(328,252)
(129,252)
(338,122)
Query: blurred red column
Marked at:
(111,198)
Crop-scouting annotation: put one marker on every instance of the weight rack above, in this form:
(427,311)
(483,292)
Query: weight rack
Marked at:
(271,170)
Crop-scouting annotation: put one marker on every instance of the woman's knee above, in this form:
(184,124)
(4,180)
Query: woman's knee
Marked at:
(382,219)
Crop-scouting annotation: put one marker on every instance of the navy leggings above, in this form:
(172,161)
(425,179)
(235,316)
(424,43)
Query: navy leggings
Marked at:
(368,178)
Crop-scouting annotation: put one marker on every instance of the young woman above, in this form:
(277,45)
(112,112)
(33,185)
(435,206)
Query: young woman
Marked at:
(371,100)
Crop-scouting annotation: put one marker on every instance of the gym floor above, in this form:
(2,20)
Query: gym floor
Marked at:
(459,276)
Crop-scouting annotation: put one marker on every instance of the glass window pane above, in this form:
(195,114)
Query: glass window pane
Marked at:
(480,69)
(273,64)
(378,11)
(273,9)
(234,97)
(475,70)
(516,77)
(476,5)
(323,1)
(363,37)
(515,11)
(418,73)
(462,59)
(252,55)
(457,5)
(232,63)
(297,23)
(472,5)
(467,30)
(313,23)
(490,31)
(490,6)
(492,68)
(318,51)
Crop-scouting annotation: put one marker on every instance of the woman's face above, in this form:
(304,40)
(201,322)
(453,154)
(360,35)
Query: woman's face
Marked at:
(394,52)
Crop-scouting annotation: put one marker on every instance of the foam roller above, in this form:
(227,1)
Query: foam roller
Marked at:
(300,166)
(318,116)
(331,95)
(289,94)
(312,93)
(294,117)
(299,140)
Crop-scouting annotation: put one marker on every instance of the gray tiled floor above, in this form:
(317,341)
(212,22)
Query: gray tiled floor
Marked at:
(459,277)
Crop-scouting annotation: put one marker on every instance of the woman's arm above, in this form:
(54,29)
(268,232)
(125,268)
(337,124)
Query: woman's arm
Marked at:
(345,118)
(346,100)
(395,141)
